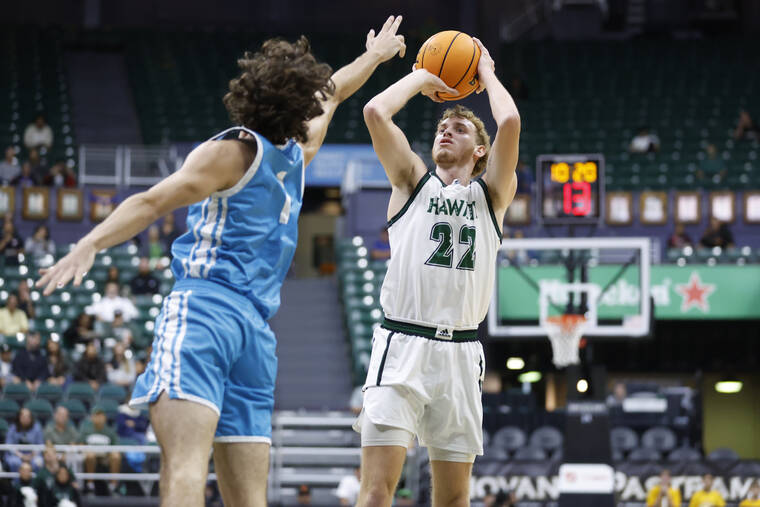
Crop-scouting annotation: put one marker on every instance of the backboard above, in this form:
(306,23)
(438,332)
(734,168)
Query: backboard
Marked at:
(601,278)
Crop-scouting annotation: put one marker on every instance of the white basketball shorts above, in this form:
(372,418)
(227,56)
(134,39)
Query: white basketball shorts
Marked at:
(429,387)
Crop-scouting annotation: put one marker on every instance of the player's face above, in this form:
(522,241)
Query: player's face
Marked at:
(454,142)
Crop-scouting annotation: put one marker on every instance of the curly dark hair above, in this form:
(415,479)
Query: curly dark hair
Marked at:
(279,90)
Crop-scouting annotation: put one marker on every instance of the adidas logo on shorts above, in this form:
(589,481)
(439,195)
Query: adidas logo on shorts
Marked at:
(443,333)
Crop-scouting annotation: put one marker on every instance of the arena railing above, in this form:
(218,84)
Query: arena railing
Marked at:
(126,165)
(284,459)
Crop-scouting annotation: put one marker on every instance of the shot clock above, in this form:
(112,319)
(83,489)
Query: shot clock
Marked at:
(570,188)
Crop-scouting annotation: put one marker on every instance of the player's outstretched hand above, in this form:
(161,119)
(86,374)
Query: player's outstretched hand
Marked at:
(386,43)
(485,64)
(73,266)
(434,85)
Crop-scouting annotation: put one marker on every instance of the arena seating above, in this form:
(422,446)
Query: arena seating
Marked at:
(592,103)
(34,81)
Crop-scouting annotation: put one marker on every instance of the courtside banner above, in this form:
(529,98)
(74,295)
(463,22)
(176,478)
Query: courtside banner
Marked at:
(540,484)
(679,292)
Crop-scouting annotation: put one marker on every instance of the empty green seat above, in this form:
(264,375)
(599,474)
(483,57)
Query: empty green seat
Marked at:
(81,391)
(41,409)
(50,392)
(112,392)
(18,392)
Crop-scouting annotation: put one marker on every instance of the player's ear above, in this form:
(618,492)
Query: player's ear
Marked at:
(480,150)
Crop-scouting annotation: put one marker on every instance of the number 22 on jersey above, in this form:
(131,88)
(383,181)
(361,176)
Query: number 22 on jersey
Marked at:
(442,234)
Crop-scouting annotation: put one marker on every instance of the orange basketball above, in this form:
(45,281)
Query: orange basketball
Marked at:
(453,56)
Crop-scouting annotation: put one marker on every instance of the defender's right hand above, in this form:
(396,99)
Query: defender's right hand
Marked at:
(74,265)
(386,43)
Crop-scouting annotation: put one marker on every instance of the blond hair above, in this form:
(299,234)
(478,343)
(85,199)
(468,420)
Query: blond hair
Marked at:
(481,134)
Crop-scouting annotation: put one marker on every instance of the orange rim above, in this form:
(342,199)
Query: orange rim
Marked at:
(567,322)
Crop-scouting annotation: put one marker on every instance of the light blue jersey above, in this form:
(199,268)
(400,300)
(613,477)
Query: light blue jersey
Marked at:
(212,342)
(244,237)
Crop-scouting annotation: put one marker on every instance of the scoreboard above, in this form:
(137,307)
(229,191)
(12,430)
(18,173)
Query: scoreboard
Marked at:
(570,188)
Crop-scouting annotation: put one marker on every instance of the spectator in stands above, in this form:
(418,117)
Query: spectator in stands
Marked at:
(79,331)
(144,282)
(489,498)
(212,497)
(131,423)
(618,394)
(711,168)
(113,275)
(664,494)
(26,177)
(118,330)
(64,490)
(745,127)
(60,175)
(38,134)
(30,365)
(753,496)
(13,320)
(304,495)
(679,238)
(644,142)
(39,167)
(39,244)
(717,234)
(381,248)
(121,370)
(58,366)
(25,430)
(169,232)
(9,166)
(111,301)
(348,488)
(525,178)
(505,499)
(24,296)
(11,243)
(155,248)
(45,477)
(24,493)
(90,368)
(6,366)
(61,431)
(707,497)
(97,432)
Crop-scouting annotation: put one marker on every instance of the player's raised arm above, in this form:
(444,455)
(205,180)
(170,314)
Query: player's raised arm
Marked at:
(210,167)
(348,79)
(403,167)
(502,159)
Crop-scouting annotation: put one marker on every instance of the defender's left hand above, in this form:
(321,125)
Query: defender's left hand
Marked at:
(386,43)
(485,64)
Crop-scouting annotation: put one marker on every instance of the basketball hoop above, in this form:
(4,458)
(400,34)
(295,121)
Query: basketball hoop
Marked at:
(565,332)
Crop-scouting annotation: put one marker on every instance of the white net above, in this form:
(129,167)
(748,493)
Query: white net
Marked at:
(565,333)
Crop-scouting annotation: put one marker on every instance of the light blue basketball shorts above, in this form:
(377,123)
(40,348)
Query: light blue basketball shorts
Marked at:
(212,347)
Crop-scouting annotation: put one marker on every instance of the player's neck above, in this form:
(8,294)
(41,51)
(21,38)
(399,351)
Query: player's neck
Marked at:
(449,174)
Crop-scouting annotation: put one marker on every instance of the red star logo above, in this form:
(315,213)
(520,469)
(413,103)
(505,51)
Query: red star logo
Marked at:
(695,293)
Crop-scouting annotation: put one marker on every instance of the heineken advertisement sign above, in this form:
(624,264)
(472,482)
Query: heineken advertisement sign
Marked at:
(678,292)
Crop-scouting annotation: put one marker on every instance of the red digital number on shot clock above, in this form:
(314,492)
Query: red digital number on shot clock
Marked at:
(576,198)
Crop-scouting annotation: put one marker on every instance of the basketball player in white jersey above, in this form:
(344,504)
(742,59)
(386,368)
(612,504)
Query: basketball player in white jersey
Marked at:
(426,369)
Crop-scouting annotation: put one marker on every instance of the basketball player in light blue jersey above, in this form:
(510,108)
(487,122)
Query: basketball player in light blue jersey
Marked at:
(211,376)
